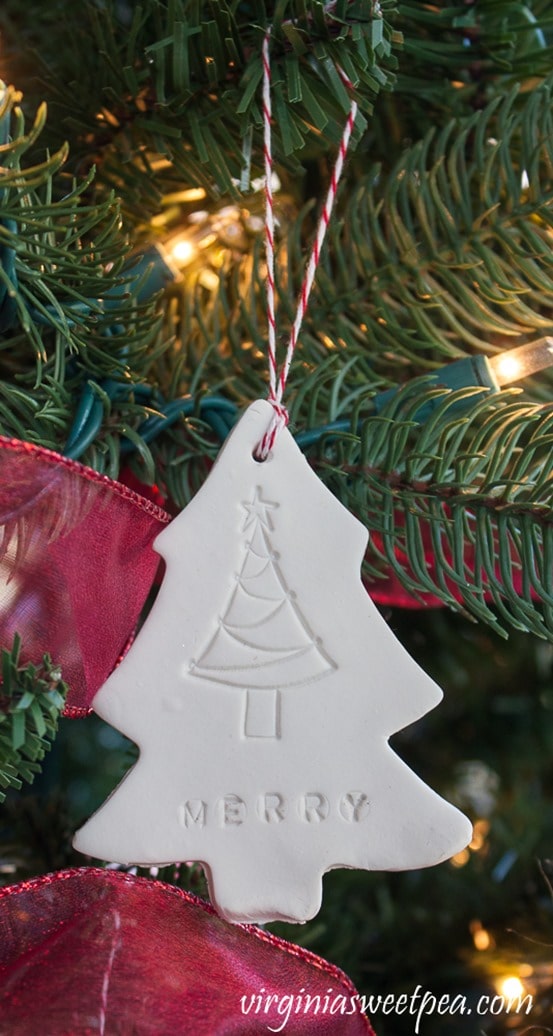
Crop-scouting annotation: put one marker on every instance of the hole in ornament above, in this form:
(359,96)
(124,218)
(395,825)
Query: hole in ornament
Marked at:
(257,459)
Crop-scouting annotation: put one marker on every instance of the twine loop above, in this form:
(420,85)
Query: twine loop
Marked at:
(278,378)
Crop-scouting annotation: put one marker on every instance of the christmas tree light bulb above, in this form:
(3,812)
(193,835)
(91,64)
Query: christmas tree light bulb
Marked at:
(182,252)
(522,362)
(482,940)
(508,368)
(510,987)
(492,373)
(184,197)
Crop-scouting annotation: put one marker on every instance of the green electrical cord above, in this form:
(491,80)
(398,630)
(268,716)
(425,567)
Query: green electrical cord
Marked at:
(221,414)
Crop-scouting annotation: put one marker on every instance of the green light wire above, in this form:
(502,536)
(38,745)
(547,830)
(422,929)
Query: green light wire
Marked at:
(472,373)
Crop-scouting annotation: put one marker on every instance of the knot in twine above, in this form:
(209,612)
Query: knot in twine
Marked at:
(279,420)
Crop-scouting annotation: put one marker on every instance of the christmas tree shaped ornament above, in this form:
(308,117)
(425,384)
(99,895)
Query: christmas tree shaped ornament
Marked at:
(264,685)
(261,691)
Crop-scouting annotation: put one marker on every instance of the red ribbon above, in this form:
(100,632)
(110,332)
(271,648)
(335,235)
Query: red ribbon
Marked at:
(76,564)
(90,951)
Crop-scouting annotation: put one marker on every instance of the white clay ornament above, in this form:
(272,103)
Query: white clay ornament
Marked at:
(262,691)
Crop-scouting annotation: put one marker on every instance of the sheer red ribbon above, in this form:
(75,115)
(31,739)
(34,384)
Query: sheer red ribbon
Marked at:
(89,952)
(76,564)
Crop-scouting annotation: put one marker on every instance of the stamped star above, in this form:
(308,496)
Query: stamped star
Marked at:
(257,510)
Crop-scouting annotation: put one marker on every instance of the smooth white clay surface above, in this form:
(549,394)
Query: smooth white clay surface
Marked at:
(262,691)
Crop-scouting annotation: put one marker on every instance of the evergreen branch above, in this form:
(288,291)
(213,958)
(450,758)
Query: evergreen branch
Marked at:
(446,256)
(461,53)
(180,83)
(506,38)
(31,700)
(406,285)
(455,58)
(58,277)
(453,249)
(473,489)
(66,303)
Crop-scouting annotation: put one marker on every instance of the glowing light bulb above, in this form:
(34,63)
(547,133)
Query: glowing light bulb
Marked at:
(520,363)
(480,830)
(508,368)
(480,936)
(510,987)
(482,939)
(185,196)
(182,252)
(460,859)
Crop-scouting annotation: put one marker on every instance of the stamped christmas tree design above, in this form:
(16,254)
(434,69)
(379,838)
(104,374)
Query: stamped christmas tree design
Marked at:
(262,642)
(262,691)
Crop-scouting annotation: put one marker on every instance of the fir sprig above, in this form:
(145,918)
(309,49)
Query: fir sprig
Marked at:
(180,81)
(474,488)
(455,58)
(68,309)
(454,245)
(31,700)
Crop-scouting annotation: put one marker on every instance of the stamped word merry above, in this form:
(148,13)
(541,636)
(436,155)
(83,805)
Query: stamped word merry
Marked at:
(311,807)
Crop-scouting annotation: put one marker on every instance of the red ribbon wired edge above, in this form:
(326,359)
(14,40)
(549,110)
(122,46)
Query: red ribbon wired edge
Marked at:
(87,951)
(76,564)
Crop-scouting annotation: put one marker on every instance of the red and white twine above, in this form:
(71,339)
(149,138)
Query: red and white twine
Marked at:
(278,378)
